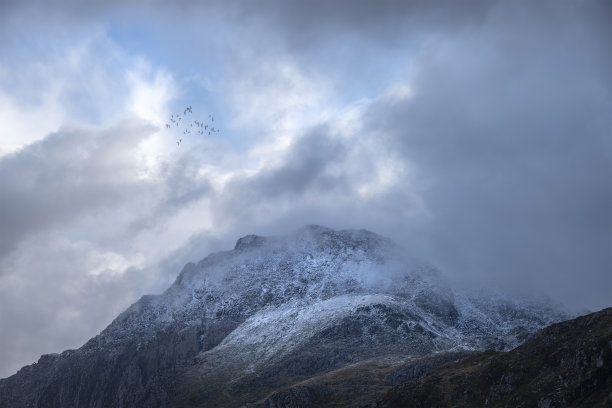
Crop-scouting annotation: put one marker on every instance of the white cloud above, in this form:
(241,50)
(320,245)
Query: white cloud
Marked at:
(83,81)
(275,101)
(87,166)
(150,92)
(113,263)
(21,126)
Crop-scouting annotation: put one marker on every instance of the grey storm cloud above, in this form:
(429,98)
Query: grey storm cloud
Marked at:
(509,132)
(77,172)
(66,174)
(304,170)
(510,128)
(307,22)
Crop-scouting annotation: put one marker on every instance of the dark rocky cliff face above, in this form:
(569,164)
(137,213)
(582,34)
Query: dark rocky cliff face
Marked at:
(274,311)
(568,364)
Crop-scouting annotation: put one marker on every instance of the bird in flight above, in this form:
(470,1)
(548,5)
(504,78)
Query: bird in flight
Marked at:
(203,127)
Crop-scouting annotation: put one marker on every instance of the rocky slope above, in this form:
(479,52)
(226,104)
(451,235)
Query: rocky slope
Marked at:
(270,313)
(568,364)
(356,385)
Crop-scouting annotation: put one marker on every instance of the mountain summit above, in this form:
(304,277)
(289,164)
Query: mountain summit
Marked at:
(274,311)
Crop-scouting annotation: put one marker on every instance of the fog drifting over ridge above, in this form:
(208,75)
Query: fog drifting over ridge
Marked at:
(478,137)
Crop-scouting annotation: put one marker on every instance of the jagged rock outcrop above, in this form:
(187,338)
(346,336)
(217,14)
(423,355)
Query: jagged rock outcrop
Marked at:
(272,312)
(568,364)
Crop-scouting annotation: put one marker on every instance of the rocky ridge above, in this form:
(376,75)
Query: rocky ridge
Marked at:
(568,364)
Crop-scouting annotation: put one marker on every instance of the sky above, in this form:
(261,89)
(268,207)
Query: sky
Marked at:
(476,134)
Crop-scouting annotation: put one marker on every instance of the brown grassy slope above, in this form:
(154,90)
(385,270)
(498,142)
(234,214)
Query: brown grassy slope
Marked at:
(357,385)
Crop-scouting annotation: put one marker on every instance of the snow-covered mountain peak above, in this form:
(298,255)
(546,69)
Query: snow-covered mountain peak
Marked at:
(287,306)
(313,265)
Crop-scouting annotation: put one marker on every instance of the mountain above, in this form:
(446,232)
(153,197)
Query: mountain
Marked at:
(242,326)
(568,364)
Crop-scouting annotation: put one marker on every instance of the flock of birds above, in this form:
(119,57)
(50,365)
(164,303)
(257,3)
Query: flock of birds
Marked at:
(201,128)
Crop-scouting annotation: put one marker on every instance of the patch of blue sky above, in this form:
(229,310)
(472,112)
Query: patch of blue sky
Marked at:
(172,50)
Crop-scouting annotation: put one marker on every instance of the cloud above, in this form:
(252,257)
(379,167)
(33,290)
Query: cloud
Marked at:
(495,164)
(70,172)
(87,80)
(307,25)
(56,295)
(84,232)
(84,168)
(509,135)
